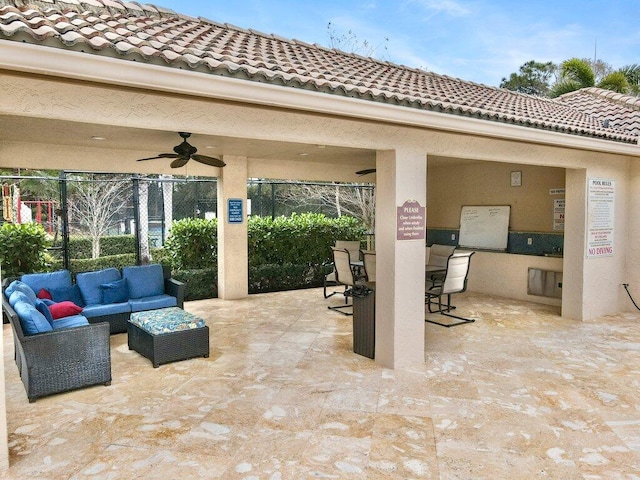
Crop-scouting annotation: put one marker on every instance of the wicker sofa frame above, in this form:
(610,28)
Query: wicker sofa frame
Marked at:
(60,360)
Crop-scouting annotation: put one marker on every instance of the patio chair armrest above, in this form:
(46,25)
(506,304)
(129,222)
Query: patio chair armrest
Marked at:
(175,288)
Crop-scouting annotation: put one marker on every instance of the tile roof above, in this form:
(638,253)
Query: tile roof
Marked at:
(620,111)
(155,35)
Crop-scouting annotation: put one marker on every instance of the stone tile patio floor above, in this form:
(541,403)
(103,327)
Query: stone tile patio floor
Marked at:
(520,394)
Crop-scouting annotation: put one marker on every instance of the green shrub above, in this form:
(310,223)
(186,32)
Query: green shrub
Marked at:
(80,247)
(276,277)
(23,248)
(193,244)
(201,283)
(78,265)
(90,264)
(300,239)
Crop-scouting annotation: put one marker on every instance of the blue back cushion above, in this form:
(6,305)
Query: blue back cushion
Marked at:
(43,308)
(18,286)
(144,280)
(18,296)
(115,292)
(89,283)
(31,320)
(48,280)
(67,294)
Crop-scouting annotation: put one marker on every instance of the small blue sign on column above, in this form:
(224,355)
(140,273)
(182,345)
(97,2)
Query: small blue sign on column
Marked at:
(234,210)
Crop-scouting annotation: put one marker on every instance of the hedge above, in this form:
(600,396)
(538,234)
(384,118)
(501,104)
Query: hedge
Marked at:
(285,253)
(80,247)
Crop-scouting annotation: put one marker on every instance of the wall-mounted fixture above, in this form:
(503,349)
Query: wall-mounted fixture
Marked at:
(516,178)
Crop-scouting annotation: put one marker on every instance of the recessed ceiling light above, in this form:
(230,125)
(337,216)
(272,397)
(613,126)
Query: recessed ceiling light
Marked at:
(211,146)
(95,137)
(303,154)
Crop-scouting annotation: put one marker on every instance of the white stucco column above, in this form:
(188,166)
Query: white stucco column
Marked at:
(233,272)
(401,176)
(575,227)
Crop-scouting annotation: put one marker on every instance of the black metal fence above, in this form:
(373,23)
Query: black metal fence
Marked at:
(89,208)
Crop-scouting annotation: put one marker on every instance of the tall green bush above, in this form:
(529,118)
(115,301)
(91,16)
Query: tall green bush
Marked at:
(285,253)
(23,248)
(193,244)
(300,239)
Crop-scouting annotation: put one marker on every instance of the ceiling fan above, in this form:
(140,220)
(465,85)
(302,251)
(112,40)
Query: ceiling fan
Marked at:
(366,171)
(185,152)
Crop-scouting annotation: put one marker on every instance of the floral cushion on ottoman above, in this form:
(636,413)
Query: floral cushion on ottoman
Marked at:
(166,320)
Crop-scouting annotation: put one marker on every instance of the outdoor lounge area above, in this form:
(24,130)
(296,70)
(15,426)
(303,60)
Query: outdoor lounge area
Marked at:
(521,393)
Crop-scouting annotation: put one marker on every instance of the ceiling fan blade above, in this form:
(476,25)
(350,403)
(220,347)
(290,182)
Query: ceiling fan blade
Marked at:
(211,161)
(160,155)
(179,162)
(366,171)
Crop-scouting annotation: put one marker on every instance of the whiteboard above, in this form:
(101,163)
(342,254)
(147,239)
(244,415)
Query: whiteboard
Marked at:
(484,227)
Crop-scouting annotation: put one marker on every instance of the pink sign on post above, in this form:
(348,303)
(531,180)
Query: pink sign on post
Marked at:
(411,221)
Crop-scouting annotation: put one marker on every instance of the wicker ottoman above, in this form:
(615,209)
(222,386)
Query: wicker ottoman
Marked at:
(168,335)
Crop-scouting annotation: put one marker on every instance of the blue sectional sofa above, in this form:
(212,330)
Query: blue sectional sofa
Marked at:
(109,295)
(54,355)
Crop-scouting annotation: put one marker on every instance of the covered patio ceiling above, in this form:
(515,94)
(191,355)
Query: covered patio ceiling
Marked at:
(128,144)
(35,137)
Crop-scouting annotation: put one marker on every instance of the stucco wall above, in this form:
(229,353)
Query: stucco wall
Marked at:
(488,183)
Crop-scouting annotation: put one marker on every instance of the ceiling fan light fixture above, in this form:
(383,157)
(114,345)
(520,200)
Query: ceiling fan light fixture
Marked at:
(185,152)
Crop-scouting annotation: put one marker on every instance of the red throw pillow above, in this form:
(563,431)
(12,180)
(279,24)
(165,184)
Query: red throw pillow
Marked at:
(64,309)
(44,293)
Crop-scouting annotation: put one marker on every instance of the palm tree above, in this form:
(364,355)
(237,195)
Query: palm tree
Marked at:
(632,74)
(577,73)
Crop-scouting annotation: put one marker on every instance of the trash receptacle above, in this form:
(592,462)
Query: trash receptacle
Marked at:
(364,321)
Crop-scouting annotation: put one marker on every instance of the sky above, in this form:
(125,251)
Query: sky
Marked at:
(477,40)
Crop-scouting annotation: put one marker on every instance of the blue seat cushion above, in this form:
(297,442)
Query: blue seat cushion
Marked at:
(91,311)
(151,303)
(69,322)
(19,286)
(144,280)
(31,320)
(67,294)
(48,280)
(90,282)
(18,296)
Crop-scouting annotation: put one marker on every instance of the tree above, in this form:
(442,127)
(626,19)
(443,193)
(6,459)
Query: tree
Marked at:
(577,73)
(355,200)
(96,204)
(533,78)
(632,74)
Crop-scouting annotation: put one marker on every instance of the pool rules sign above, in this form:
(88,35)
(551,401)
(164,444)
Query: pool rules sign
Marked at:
(600,217)
(411,221)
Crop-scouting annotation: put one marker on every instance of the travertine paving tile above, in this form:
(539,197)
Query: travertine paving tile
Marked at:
(520,394)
